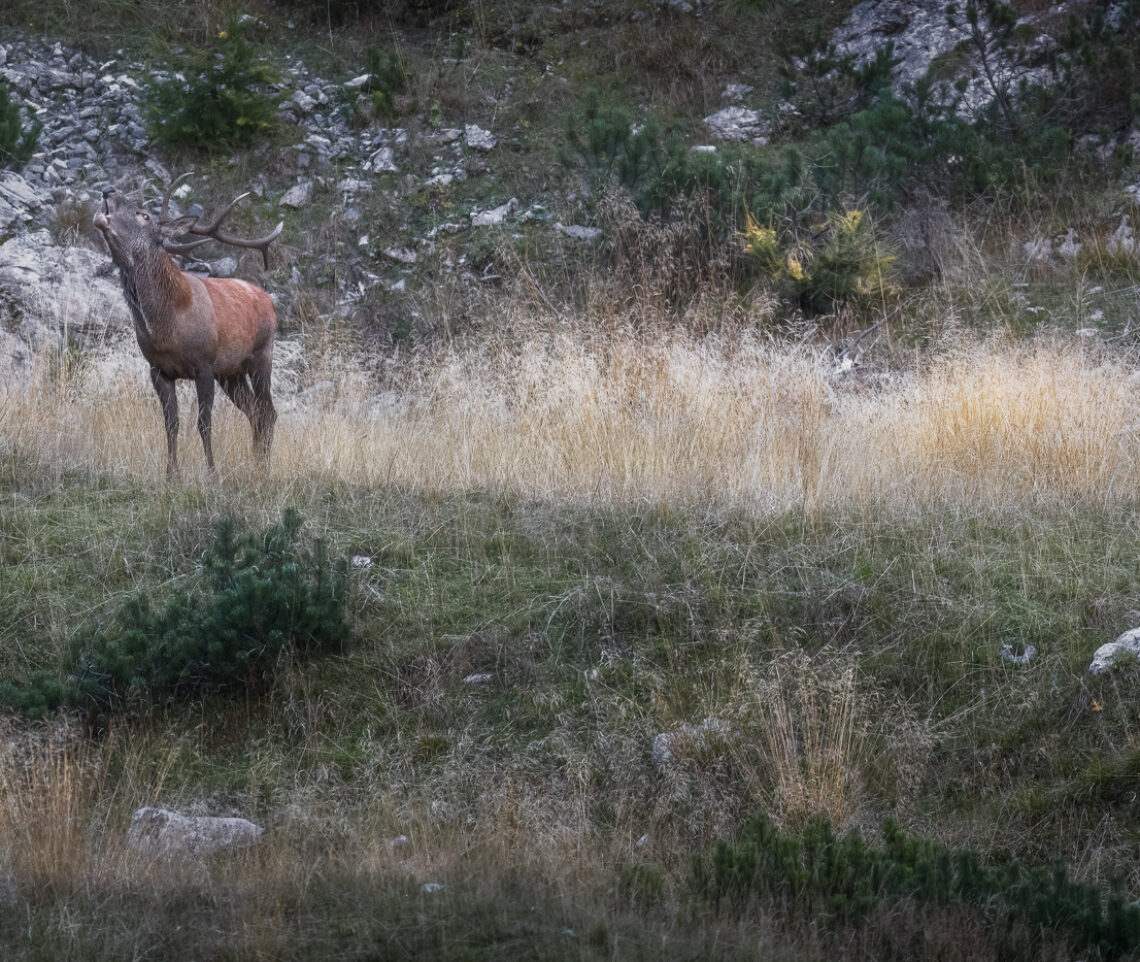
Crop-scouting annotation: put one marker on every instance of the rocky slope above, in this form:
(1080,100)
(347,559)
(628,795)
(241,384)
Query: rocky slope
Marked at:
(55,280)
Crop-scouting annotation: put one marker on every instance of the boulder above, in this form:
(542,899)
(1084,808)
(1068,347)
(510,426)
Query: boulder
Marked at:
(156,831)
(298,196)
(478,138)
(919,30)
(579,232)
(738,123)
(1106,655)
(48,292)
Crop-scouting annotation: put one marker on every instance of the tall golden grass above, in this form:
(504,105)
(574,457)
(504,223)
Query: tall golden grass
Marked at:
(572,414)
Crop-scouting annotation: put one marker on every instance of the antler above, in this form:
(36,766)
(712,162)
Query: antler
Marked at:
(211,231)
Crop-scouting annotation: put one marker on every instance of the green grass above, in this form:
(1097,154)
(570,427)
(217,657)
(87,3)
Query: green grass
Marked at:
(600,627)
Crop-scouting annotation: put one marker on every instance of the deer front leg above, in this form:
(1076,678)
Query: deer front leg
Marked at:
(204,381)
(169,398)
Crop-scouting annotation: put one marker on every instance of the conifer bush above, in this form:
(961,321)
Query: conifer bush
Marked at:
(838,880)
(823,269)
(222,98)
(17,141)
(263,596)
(606,144)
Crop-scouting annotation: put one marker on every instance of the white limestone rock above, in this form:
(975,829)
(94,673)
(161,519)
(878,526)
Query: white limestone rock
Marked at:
(157,831)
(1106,655)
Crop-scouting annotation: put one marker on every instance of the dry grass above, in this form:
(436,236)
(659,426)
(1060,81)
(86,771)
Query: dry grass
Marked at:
(811,739)
(568,413)
(333,855)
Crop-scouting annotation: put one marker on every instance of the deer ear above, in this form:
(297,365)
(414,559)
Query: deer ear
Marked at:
(180,225)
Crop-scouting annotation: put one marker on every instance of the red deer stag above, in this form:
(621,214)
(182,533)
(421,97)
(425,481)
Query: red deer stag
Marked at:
(200,328)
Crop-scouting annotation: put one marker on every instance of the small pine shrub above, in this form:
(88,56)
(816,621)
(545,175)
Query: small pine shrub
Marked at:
(836,264)
(220,100)
(824,86)
(376,98)
(606,145)
(263,596)
(836,880)
(17,141)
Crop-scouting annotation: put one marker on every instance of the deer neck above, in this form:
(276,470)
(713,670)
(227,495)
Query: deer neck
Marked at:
(157,293)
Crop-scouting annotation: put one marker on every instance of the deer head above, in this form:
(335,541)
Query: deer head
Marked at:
(132,232)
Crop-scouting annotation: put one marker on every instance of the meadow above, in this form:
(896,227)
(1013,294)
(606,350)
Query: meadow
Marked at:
(625,528)
(725,589)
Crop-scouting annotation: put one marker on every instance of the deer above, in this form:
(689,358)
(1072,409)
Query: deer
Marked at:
(203,329)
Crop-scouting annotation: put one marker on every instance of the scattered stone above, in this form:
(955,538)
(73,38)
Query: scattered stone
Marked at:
(298,196)
(303,102)
(578,232)
(223,267)
(401,255)
(738,123)
(156,831)
(478,138)
(383,161)
(1106,655)
(1038,250)
(495,217)
(1018,654)
(1068,246)
(1123,240)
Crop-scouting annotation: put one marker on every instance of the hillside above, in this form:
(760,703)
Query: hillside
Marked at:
(704,475)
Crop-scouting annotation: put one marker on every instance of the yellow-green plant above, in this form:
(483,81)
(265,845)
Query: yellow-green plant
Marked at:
(823,269)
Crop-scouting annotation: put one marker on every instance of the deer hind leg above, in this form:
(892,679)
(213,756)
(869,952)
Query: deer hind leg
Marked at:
(167,394)
(204,382)
(238,390)
(265,415)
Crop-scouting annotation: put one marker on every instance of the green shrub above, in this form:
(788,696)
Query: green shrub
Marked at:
(376,98)
(17,142)
(606,145)
(221,99)
(825,268)
(1104,61)
(824,86)
(839,880)
(263,596)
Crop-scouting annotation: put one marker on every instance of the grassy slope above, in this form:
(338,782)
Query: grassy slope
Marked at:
(872,637)
(600,628)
